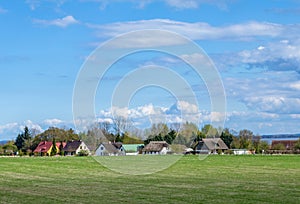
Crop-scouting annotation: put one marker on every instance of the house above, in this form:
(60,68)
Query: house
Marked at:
(156,147)
(210,145)
(44,148)
(110,149)
(74,147)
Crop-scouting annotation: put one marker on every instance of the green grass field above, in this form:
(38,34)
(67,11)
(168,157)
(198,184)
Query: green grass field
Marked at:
(217,179)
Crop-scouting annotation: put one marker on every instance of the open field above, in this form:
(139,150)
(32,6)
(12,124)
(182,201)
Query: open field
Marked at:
(217,179)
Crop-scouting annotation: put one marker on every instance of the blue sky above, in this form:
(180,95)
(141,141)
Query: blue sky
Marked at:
(255,46)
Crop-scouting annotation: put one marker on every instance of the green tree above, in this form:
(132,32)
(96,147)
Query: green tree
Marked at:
(53,132)
(181,140)
(227,137)
(9,148)
(210,131)
(278,146)
(53,150)
(61,146)
(263,146)
(24,140)
(297,145)
(19,141)
(169,138)
(245,138)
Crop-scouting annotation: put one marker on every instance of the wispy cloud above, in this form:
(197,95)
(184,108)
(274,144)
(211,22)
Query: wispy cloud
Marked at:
(60,22)
(178,4)
(197,30)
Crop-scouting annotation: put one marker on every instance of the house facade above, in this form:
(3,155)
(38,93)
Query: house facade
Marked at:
(210,146)
(75,147)
(110,149)
(156,147)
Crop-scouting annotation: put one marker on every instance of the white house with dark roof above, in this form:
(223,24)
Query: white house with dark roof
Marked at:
(110,149)
(74,147)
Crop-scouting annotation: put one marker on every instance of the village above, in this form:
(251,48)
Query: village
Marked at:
(65,142)
(205,146)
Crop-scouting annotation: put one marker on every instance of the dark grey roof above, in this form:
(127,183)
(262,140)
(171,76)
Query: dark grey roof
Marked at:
(72,146)
(214,143)
(112,147)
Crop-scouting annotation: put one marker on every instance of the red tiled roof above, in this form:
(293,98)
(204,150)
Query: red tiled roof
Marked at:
(43,147)
(58,144)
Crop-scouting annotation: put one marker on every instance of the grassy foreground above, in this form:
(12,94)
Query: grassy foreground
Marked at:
(217,179)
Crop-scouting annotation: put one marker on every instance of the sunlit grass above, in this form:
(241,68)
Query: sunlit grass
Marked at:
(216,179)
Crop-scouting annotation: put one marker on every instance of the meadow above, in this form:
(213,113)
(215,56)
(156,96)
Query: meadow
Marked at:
(216,179)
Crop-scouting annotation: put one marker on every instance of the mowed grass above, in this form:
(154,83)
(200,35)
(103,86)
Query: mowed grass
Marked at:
(216,179)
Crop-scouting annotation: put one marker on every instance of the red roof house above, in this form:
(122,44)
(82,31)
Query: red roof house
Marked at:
(45,147)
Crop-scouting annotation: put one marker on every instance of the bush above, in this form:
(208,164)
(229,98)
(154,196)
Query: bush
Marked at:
(83,153)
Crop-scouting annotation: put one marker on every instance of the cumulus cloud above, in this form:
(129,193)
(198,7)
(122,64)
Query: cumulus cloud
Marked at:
(7,127)
(60,22)
(179,112)
(274,104)
(30,125)
(52,122)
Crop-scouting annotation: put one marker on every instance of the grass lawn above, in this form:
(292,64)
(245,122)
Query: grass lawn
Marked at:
(216,179)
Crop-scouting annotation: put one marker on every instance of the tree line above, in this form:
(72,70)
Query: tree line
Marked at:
(186,134)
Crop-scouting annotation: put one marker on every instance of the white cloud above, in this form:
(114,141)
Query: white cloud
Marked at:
(197,30)
(295,85)
(52,122)
(8,127)
(274,104)
(60,22)
(179,112)
(178,4)
(30,125)
(183,4)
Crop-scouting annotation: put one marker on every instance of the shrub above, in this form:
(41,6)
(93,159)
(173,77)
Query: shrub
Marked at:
(83,153)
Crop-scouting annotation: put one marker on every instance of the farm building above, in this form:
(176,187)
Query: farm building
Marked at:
(110,149)
(210,145)
(75,147)
(133,149)
(156,147)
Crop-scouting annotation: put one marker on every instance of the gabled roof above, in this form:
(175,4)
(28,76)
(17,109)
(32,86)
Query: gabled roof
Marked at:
(43,147)
(112,147)
(59,143)
(214,143)
(155,146)
(72,146)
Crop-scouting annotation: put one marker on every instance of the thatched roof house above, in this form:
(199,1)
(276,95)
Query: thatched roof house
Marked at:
(156,147)
(210,145)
